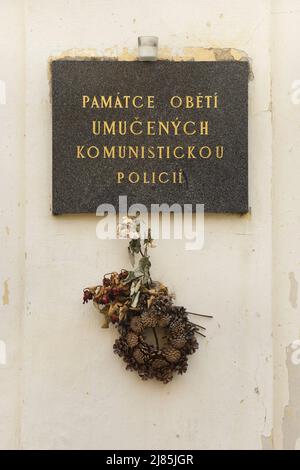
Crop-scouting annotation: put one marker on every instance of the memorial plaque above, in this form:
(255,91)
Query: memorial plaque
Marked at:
(160,132)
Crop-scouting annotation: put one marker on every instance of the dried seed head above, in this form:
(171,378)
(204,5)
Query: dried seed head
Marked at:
(132,339)
(178,342)
(159,363)
(136,325)
(171,354)
(138,356)
(149,320)
(164,320)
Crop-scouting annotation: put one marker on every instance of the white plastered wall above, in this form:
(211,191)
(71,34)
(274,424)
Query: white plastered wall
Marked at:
(286,222)
(12,207)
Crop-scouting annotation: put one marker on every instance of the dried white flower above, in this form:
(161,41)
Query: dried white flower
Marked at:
(128,228)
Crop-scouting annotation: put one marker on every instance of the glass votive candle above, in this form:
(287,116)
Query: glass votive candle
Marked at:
(148,46)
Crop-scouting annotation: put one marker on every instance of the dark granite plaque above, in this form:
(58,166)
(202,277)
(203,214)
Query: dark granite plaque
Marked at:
(159,132)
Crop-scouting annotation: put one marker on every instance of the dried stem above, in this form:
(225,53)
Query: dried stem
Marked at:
(156,338)
(198,326)
(199,315)
(201,334)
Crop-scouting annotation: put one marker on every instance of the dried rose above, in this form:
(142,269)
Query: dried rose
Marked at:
(87,295)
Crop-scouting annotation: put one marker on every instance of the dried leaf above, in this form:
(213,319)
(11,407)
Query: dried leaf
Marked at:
(132,275)
(135,245)
(131,257)
(144,264)
(105,309)
(150,301)
(135,287)
(105,323)
(135,299)
(114,307)
(123,312)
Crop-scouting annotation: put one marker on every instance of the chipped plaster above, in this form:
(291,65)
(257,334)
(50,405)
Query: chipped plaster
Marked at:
(291,419)
(293,294)
(5,296)
(267,442)
(164,53)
